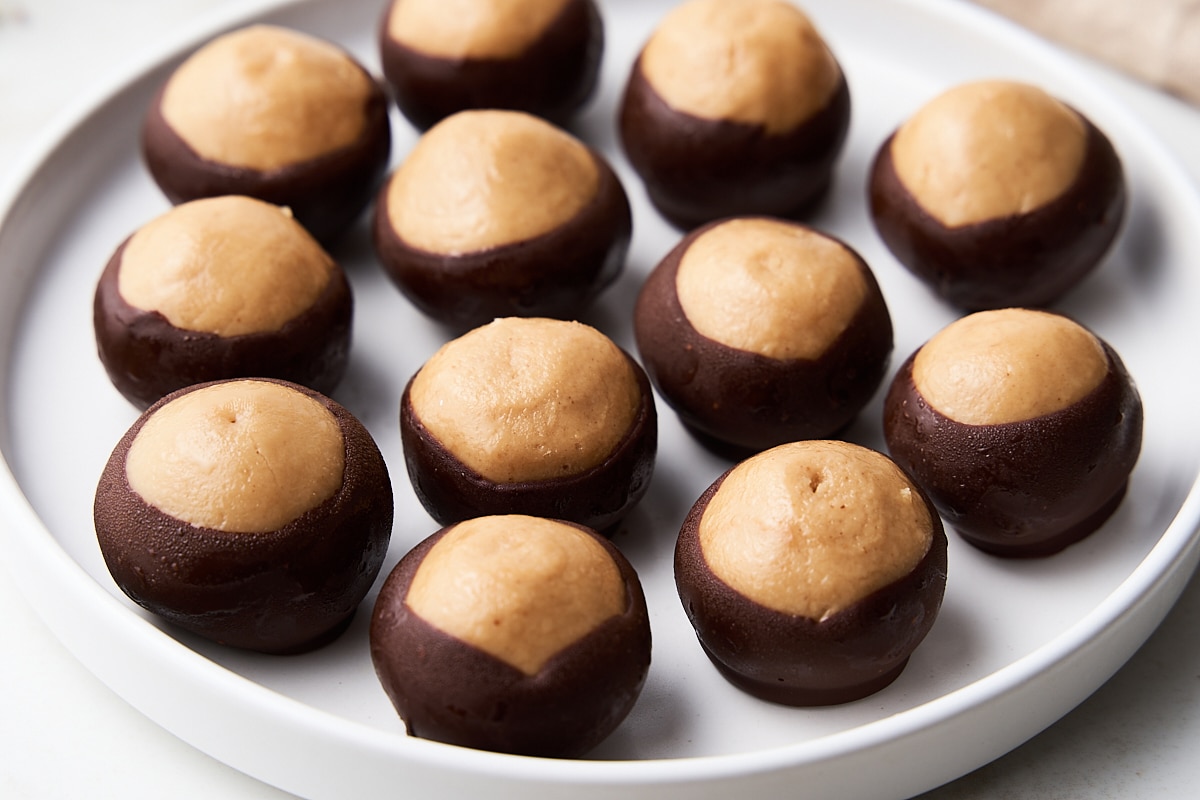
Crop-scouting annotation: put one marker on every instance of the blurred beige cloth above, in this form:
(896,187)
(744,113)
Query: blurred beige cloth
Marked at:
(1157,41)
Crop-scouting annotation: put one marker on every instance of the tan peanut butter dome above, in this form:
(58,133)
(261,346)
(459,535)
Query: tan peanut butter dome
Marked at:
(242,456)
(519,588)
(484,179)
(528,399)
(264,97)
(758,62)
(471,29)
(226,265)
(1009,365)
(988,150)
(810,528)
(769,287)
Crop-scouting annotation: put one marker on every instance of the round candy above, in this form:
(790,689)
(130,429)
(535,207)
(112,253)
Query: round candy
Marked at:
(532,416)
(539,56)
(498,214)
(224,287)
(274,114)
(253,513)
(512,633)
(1022,425)
(996,194)
(759,331)
(715,136)
(811,572)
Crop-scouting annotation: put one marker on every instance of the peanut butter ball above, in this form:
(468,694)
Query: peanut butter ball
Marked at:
(997,194)
(760,331)
(811,572)
(1021,424)
(530,416)
(255,513)
(223,287)
(735,107)
(538,56)
(498,214)
(275,114)
(512,633)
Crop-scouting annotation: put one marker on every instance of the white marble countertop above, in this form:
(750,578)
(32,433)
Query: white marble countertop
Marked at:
(63,734)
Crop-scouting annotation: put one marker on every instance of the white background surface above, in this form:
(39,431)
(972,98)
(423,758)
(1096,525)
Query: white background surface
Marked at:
(63,734)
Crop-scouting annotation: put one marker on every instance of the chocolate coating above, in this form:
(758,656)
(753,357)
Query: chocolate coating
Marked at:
(450,691)
(599,497)
(557,274)
(326,194)
(792,659)
(1028,488)
(553,78)
(738,402)
(285,591)
(146,357)
(1028,259)
(697,170)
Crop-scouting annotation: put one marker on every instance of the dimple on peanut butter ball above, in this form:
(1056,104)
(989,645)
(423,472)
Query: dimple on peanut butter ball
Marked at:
(514,634)
(539,56)
(759,331)
(254,513)
(735,107)
(811,572)
(1022,425)
(275,114)
(498,214)
(222,287)
(530,416)
(997,194)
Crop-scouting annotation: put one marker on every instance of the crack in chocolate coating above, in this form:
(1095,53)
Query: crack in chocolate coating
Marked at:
(1021,489)
(737,402)
(1027,259)
(286,591)
(447,690)
(146,357)
(599,497)
(795,660)
(557,274)
(326,194)
(552,79)
(697,170)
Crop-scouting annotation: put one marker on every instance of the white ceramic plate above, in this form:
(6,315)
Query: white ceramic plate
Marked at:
(1017,645)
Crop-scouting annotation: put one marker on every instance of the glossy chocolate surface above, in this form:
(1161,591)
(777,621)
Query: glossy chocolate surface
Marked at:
(447,690)
(738,402)
(557,274)
(1024,260)
(798,661)
(1021,489)
(326,194)
(285,591)
(146,357)
(598,498)
(697,170)
(552,79)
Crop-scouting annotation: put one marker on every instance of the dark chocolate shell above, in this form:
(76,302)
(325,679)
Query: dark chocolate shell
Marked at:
(598,498)
(447,690)
(698,170)
(557,274)
(1026,260)
(146,357)
(798,661)
(553,79)
(1027,488)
